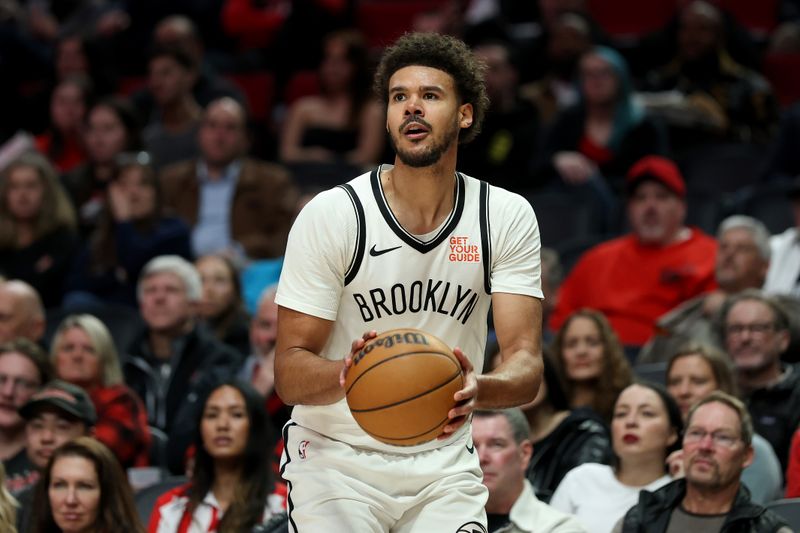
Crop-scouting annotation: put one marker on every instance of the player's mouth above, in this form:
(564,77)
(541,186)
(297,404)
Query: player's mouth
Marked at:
(416,129)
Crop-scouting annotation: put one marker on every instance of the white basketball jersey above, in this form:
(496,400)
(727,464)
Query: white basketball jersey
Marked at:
(349,260)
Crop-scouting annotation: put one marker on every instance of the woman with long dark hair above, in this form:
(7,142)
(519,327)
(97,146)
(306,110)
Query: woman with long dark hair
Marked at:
(342,123)
(646,428)
(232,487)
(83,489)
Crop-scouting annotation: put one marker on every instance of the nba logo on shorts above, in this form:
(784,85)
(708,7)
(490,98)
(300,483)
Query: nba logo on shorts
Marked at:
(472,527)
(301,448)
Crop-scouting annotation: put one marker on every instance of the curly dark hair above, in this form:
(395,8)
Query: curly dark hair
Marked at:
(444,53)
(616,373)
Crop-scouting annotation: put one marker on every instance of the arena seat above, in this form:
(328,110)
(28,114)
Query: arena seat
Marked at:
(783,72)
(788,509)
(302,83)
(128,85)
(259,89)
(760,17)
(768,203)
(722,168)
(145,499)
(382,22)
(631,19)
(705,210)
(555,226)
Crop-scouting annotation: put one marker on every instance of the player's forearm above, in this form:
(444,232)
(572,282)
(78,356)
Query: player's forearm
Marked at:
(304,378)
(515,382)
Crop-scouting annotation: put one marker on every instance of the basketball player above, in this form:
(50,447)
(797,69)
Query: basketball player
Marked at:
(415,244)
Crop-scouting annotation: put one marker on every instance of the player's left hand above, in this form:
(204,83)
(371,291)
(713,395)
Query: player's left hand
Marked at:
(465,398)
(355,347)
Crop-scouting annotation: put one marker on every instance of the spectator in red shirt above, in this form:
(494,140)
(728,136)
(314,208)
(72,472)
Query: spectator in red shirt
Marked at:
(636,278)
(83,353)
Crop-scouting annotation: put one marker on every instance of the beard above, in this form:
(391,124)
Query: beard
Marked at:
(430,155)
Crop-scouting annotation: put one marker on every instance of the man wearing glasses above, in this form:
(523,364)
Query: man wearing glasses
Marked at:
(716,448)
(755,335)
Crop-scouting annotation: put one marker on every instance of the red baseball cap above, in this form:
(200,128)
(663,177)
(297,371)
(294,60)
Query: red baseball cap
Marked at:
(656,168)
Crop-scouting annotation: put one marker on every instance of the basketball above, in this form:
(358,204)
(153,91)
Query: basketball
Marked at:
(401,386)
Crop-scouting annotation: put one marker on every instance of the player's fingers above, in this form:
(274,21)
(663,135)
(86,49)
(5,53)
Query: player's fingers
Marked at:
(466,364)
(451,427)
(356,345)
(460,410)
(348,362)
(469,390)
(371,334)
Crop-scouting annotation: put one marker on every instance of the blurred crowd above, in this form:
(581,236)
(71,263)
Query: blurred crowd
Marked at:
(153,156)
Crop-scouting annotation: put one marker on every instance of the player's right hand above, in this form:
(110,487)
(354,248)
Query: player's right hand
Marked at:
(354,349)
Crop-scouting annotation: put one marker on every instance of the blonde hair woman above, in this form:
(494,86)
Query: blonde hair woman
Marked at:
(83,353)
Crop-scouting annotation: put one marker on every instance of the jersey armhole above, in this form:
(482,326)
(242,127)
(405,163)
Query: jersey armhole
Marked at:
(486,238)
(361,237)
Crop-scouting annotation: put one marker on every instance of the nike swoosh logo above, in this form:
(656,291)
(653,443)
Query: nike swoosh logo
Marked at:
(375,253)
(470,449)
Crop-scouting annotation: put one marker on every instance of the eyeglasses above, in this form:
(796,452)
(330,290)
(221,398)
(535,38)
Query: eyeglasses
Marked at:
(696,435)
(758,328)
(19,383)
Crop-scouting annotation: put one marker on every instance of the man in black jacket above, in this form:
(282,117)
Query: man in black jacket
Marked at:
(756,336)
(174,363)
(716,448)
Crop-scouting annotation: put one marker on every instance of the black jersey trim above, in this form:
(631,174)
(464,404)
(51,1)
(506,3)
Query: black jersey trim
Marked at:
(408,238)
(486,241)
(289,502)
(361,234)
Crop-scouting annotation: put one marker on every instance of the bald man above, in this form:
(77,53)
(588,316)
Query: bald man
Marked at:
(21,312)
(235,204)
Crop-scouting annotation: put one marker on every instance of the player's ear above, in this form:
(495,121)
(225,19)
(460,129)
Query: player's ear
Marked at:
(465,115)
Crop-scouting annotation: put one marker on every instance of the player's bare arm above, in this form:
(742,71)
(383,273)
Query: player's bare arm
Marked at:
(518,324)
(516,380)
(301,375)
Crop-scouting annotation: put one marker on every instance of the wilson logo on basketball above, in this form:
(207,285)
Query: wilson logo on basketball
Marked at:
(389,341)
(461,251)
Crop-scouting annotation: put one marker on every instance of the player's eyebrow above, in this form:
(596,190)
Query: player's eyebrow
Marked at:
(424,88)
